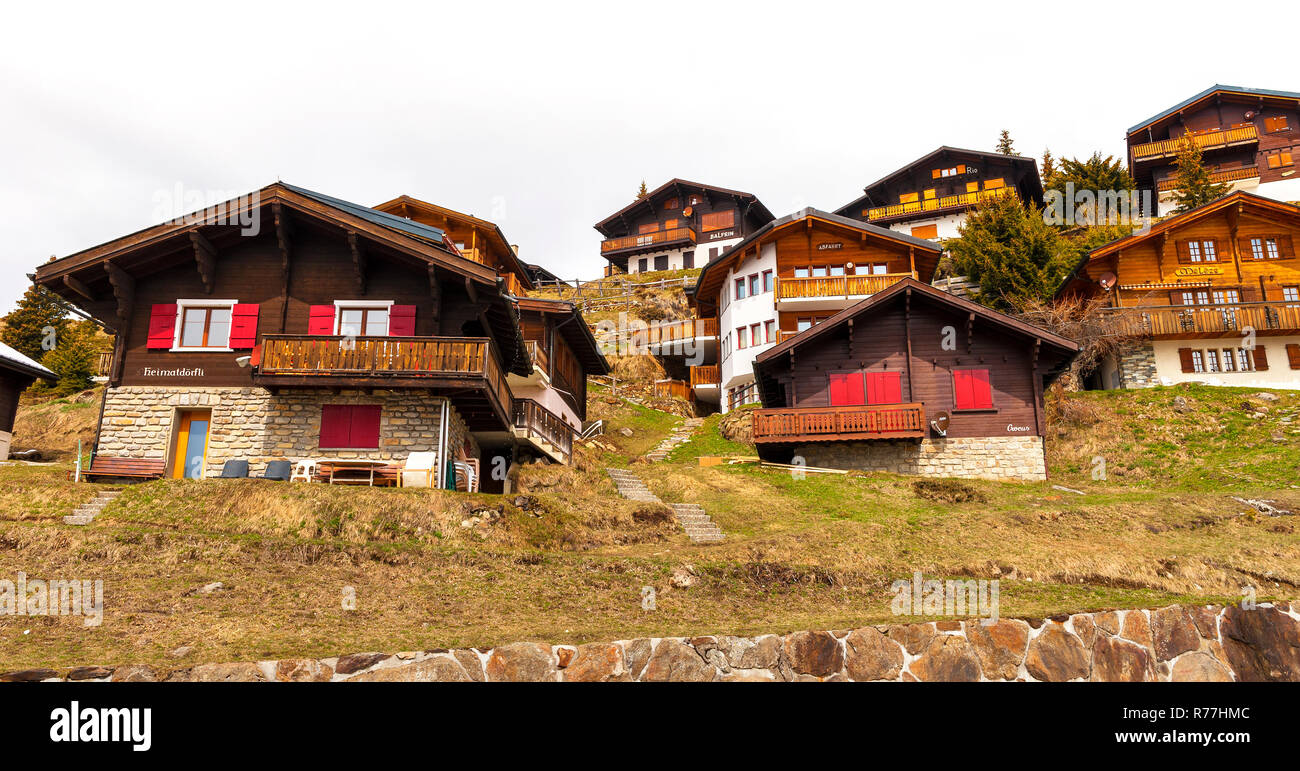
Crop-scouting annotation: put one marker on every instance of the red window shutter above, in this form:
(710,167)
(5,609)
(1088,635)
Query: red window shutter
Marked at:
(1185,360)
(243,325)
(335,425)
(321,321)
(846,388)
(1261,359)
(401,321)
(961,392)
(162,326)
(884,388)
(981,389)
(365,426)
(971,389)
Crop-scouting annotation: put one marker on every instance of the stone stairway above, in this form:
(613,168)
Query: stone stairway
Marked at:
(681,434)
(697,524)
(83,514)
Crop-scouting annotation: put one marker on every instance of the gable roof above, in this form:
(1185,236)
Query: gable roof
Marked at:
(950,151)
(493,230)
(575,330)
(402,224)
(1211,91)
(926,293)
(17,362)
(760,212)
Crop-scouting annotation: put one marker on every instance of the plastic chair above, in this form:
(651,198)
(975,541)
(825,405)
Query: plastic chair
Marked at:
(235,469)
(303,471)
(418,470)
(277,470)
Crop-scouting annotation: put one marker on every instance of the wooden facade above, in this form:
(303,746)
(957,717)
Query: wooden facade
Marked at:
(904,356)
(1248,137)
(17,373)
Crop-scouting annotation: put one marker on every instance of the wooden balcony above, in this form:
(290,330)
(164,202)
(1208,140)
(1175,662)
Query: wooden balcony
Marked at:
(1202,321)
(835,287)
(548,431)
(706,375)
(537,354)
(676,331)
(821,424)
(1210,140)
(513,286)
(1229,175)
(940,205)
(673,388)
(436,363)
(658,238)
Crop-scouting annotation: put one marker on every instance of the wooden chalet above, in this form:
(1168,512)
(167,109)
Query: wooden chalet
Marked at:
(1248,139)
(929,197)
(678,225)
(1189,291)
(17,373)
(913,380)
(331,331)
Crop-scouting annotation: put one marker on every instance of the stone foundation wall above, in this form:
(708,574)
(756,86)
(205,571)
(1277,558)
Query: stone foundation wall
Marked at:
(995,457)
(1136,362)
(1166,645)
(255,425)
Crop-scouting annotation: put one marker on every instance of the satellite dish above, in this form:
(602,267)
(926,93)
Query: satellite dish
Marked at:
(940,423)
(688,211)
(1250,115)
(1107,280)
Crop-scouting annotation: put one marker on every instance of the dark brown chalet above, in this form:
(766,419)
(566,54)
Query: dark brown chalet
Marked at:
(1248,139)
(677,225)
(929,197)
(911,380)
(17,372)
(326,331)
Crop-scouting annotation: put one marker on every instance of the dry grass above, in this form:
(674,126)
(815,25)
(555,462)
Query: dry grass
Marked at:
(53,426)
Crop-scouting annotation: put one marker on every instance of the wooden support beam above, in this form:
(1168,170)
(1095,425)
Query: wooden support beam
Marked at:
(123,284)
(358,262)
(907,333)
(205,256)
(79,288)
(1234,220)
(970,332)
(1039,420)
(284,239)
(435,292)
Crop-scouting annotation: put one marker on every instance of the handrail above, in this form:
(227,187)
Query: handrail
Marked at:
(648,239)
(1177,320)
(1207,141)
(1230,175)
(790,288)
(706,374)
(847,422)
(546,425)
(939,204)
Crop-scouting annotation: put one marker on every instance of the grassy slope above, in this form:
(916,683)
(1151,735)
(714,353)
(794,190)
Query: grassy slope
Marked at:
(569,567)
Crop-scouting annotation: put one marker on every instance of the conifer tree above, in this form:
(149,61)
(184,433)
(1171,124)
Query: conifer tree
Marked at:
(643,192)
(25,328)
(1193,186)
(1005,145)
(1008,249)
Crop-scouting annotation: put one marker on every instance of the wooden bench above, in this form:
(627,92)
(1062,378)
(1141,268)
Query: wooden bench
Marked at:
(384,475)
(125,468)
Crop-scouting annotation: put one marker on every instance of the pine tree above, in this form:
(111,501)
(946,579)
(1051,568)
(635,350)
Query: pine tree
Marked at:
(1048,171)
(1096,173)
(25,328)
(1193,186)
(74,357)
(643,192)
(1005,145)
(1007,248)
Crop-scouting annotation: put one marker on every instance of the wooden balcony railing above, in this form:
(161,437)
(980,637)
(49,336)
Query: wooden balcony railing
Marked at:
(656,238)
(513,286)
(537,353)
(708,374)
(363,360)
(103,363)
(959,201)
(672,388)
(1229,175)
(835,286)
(545,425)
(812,424)
(1210,140)
(1203,320)
(672,331)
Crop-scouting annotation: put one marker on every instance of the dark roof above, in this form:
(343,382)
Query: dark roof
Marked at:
(762,214)
(575,331)
(947,149)
(17,362)
(392,221)
(924,291)
(1216,88)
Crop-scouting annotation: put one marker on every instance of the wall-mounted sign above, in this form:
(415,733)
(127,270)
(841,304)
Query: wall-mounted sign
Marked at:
(179,372)
(1199,270)
(722,234)
(1014,429)
(825,247)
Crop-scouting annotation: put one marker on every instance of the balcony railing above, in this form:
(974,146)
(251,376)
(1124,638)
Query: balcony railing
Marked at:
(513,286)
(673,331)
(103,363)
(814,424)
(542,424)
(835,286)
(947,202)
(672,388)
(1229,175)
(364,360)
(1210,140)
(537,354)
(641,240)
(1203,320)
(705,375)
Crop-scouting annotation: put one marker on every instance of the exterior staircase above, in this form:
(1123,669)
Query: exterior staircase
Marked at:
(83,514)
(681,434)
(697,524)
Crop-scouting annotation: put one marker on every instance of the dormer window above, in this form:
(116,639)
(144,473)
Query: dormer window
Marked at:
(672,203)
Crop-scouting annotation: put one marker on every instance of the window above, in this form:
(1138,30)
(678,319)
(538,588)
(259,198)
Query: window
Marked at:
(1201,251)
(769,331)
(1275,124)
(661,262)
(971,389)
(753,285)
(692,200)
(819,271)
(718,220)
(1264,247)
(1211,360)
(740,289)
(1291,294)
(768,280)
(846,389)
(1227,360)
(1280,159)
(362,321)
(688,260)
(837,270)
(742,337)
(756,334)
(884,388)
(204,326)
(672,203)
(801,273)
(1201,297)
(349,426)
(803,323)
(1194,360)
(1226,296)
(713,253)
(949,172)
(879,268)
(643,264)
(994,184)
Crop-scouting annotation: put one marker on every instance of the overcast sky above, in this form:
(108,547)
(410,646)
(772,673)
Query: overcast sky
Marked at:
(545,117)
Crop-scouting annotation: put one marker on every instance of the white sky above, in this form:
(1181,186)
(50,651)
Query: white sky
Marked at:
(545,116)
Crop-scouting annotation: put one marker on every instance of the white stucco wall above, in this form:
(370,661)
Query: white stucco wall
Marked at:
(946,225)
(676,255)
(737,365)
(1279,374)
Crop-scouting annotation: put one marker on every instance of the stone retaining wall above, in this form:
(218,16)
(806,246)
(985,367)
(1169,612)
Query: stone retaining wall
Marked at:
(1018,458)
(256,425)
(1137,365)
(1169,644)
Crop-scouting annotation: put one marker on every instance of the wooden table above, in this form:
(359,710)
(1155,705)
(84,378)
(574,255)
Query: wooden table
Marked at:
(353,472)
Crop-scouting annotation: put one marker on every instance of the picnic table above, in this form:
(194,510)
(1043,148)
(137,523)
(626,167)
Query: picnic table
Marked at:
(356,472)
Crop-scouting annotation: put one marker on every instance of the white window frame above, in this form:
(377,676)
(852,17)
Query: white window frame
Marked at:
(368,305)
(181,305)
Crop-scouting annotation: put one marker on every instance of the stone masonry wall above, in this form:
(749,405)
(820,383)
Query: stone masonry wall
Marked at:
(1170,644)
(993,457)
(1137,365)
(253,424)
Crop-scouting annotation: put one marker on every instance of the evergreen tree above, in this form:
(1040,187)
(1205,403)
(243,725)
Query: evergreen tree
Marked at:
(1193,186)
(1007,248)
(1005,145)
(1048,170)
(1095,173)
(643,192)
(74,357)
(25,326)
